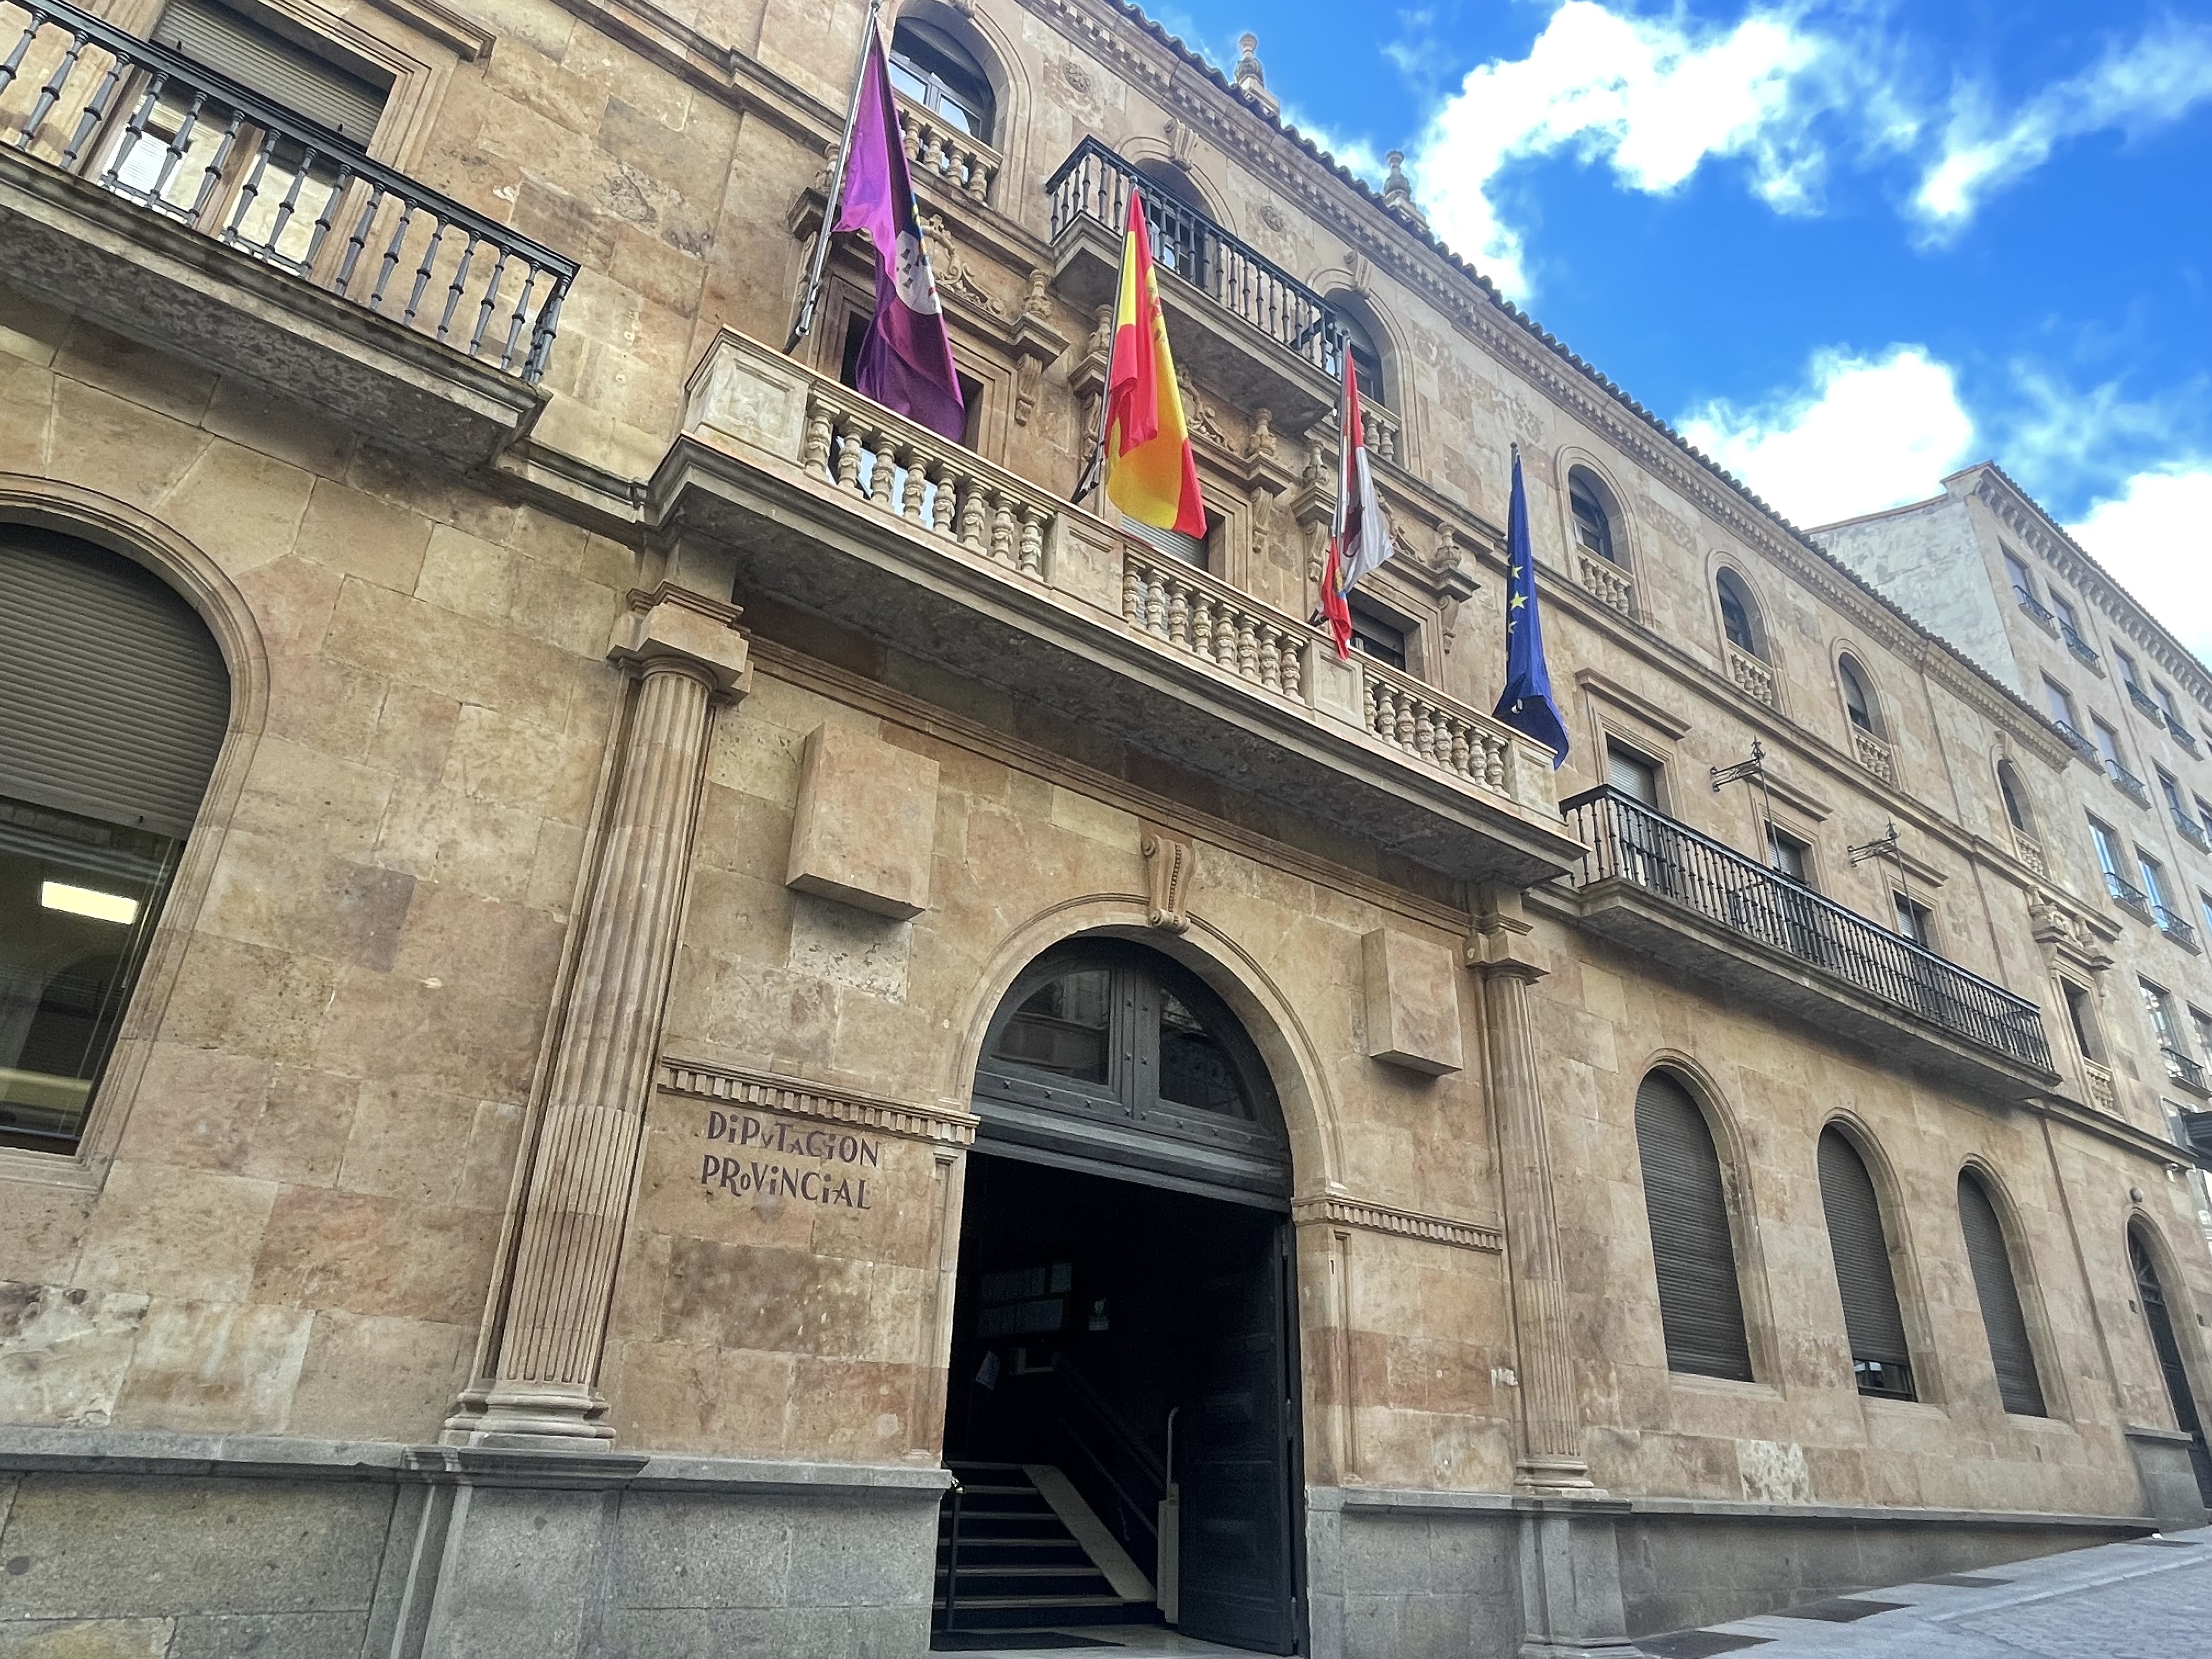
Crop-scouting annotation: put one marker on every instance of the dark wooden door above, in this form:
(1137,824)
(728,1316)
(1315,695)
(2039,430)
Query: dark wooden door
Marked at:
(1233,1456)
(2169,1361)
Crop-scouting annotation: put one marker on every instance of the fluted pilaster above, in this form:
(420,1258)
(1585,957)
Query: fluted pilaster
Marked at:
(1501,952)
(687,654)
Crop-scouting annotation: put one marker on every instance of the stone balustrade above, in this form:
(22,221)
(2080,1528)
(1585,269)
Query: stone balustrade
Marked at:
(1193,612)
(2031,851)
(1873,754)
(1752,678)
(1436,729)
(1608,584)
(909,473)
(2102,1092)
(938,149)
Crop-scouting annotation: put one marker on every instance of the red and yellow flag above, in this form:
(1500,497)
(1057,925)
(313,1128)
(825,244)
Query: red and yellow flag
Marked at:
(1150,472)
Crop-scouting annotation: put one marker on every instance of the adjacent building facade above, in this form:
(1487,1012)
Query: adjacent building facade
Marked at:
(650,1010)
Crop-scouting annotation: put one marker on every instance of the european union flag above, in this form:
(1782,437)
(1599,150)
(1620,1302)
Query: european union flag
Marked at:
(1527,705)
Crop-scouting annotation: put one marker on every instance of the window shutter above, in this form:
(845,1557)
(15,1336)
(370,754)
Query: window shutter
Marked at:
(1191,549)
(1700,1304)
(1862,1253)
(263,61)
(113,697)
(2018,1384)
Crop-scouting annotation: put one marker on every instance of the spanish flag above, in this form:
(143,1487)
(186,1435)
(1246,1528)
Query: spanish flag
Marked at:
(1149,473)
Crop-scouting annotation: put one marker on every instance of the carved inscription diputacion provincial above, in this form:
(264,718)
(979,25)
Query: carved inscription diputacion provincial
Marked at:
(756,1167)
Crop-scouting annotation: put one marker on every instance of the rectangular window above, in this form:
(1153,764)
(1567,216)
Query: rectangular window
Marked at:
(2083,1018)
(2061,705)
(1912,919)
(2154,878)
(2127,670)
(2159,1007)
(2065,607)
(1374,636)
(1786,854)
(2108,848)
(2200,1023)
(1632,775)
(2108,746)
(2203,812)
(2204,910)
(2166,700)
(2022,583)
(2171,787)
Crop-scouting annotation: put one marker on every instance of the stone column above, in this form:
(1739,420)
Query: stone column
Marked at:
(1502,954)
(688,655)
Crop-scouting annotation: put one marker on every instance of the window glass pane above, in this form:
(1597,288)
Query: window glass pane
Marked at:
(1736,618)
(1786,853)
(1061,1027)
(1593,529)
(77,902)
(2062,705)
(1855,697)
(1195,1069)
(1371,636)
(2108,851)
(2153,884)
(2020,580)
(2161,1013)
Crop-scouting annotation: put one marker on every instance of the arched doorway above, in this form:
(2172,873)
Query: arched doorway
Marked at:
(1122,1407)
(2152,1294)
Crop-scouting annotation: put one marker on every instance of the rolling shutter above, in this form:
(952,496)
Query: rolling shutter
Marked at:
(113,697)
(263,61)
(1700,1304)
(1862,1253)
(2018,1384)
(1191,549)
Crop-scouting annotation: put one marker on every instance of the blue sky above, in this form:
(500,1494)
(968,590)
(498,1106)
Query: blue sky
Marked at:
(1846,248)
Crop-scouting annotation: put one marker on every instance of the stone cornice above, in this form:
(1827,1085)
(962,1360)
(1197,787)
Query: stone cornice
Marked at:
(1334,1209)
(797,1097)
(2022,514)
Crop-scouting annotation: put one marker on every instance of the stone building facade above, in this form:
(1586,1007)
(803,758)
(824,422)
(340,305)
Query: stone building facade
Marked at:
(680,951)
(1992,571)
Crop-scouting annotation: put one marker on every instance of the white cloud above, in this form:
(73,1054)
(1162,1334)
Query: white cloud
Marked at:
(2155,536)
(1652,97)
(2155,80)
(1868,433)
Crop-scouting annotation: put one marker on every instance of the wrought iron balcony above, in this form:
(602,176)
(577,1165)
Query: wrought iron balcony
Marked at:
(117,154)
(2126,893)
(2182,735)
(2191,830)
(2181,933)
(1662,886)
(2184,1070)
(2035,607)
(2146,704)
(2080,744)
(2127,782)
(2080,646)
(1253,331)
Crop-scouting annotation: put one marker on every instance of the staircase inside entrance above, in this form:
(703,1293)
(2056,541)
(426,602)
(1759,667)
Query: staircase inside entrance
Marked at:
(1009,1559)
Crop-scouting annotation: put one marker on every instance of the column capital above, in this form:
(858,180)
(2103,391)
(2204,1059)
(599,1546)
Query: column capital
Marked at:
(674,626)
(1502,943)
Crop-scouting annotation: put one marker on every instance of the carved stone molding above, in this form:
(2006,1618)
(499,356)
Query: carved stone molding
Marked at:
(1400,1224)
(795,1097)
(1167,874)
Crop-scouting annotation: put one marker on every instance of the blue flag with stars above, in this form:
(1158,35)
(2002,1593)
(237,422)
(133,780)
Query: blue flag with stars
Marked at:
(1527,705)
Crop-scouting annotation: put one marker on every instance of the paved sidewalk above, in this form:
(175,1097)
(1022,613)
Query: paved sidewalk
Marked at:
(2150,1598)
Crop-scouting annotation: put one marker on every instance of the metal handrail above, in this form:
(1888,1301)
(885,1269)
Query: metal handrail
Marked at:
(2143,701)
(107,86)
(2126,892)
(2034,606)
(2080,744)
(1094,183)
(2128,783)
(2191,830)
(2175,927)
(1626,839)
(2080,646)
(2183,1069)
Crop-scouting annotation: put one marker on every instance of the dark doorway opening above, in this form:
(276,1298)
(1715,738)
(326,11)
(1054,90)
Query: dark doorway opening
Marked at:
(1122,1411)
(2178,1390)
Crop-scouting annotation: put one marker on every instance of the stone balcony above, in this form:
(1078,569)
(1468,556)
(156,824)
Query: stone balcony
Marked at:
(820,500)
(1659,887)
(1607,583)
(284,255)
(1752,678)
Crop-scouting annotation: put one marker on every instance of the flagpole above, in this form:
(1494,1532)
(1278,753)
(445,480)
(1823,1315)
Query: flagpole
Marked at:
(811,295)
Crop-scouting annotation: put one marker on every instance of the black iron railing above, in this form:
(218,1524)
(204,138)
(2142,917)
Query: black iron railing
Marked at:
(2034,607)
(1628,841)
(2184,1070)
(2191,830)
(2080,744)
(1094,183)
(2127,782)
(157,129)
(2175,927)
(2080,646)
(2143,701)
(2126,892)
(2181,735)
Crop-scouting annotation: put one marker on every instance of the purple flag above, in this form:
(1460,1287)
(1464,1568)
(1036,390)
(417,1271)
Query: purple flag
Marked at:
(906,357)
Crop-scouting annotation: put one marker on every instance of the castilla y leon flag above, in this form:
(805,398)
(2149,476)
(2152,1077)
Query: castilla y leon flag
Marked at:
(1151,474)
(1359,539)
(906,357)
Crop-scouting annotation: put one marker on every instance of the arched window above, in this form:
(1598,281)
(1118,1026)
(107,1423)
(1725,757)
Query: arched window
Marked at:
(2015,800)
(1366,355)
(1861,1248)
(1586,499)
(1858,702)
(114,699)
(934,69)
(1105,1050)
(1998,1292)
(1739,614)
(2159,1318)
(1700,1304)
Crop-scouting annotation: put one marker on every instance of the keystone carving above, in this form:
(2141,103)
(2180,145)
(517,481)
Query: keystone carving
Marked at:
(1167,873)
